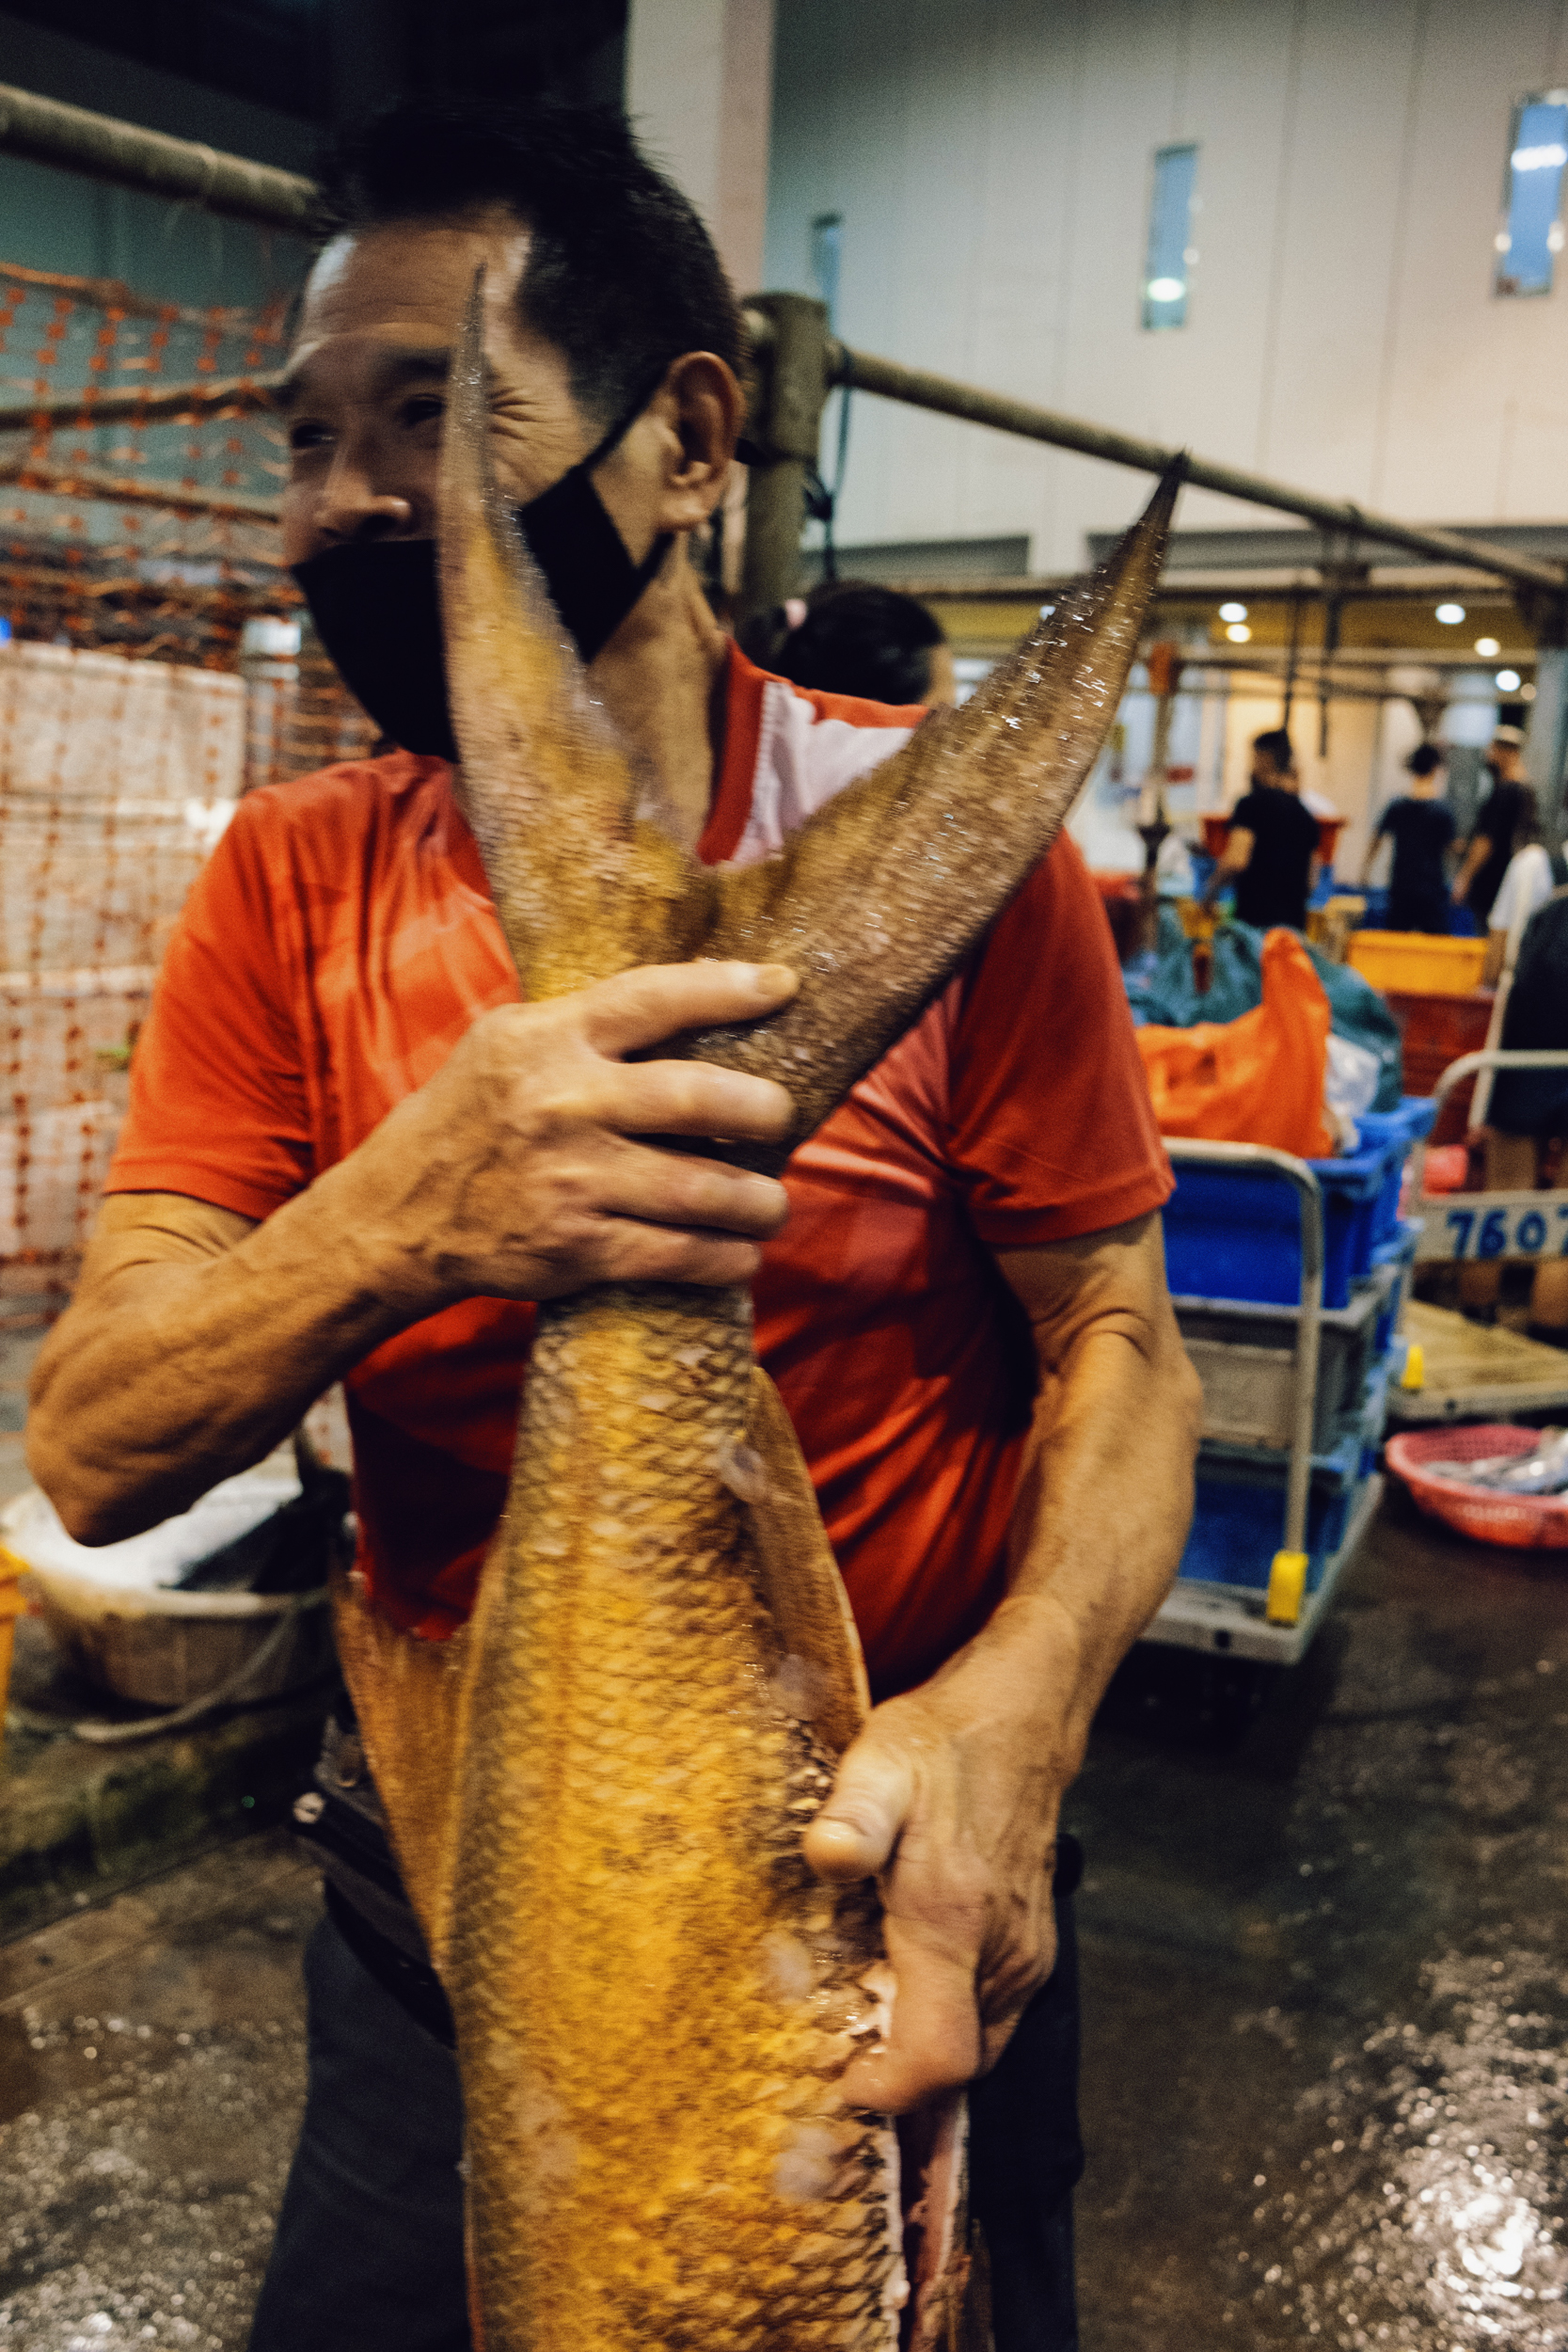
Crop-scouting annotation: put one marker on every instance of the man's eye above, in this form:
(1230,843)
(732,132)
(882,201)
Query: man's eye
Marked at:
(303,435)
(422,407)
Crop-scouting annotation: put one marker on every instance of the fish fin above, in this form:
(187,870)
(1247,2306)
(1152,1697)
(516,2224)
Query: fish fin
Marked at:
(557,800)
(943,2313)
(880,894)
(820,1649)
(411,1699)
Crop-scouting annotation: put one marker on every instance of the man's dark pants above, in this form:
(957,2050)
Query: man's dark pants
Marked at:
(368,2253)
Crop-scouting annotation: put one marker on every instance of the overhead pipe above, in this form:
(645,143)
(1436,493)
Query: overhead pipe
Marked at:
(916,388)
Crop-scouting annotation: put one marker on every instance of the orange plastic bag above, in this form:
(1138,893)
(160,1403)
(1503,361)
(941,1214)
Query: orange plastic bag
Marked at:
(1259,1079)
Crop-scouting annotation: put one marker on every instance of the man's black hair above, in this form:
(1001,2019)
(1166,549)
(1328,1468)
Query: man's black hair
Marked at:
(1424,759)
(621,276)
(1275,744)
(857,639)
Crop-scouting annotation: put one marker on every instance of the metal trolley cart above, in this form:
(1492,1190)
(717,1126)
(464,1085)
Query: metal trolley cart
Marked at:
(1282,1520)
(1454,1372)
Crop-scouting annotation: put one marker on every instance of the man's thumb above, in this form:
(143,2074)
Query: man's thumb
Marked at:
(854,1834)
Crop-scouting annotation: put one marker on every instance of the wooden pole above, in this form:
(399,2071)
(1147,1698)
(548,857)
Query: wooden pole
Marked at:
(784,429)
(75,139)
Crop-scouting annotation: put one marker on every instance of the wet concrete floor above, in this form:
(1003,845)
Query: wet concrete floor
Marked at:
(1326,2086)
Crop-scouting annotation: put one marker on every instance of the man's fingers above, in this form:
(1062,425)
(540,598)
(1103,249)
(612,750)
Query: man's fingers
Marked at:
(854,1834)
(693,1098)
(638,1008)
(654,1188)
(934,2042)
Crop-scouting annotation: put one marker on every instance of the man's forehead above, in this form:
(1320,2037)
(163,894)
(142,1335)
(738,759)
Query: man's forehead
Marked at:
(408,282)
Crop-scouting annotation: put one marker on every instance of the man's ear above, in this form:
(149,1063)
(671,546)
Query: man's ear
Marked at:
(705,408)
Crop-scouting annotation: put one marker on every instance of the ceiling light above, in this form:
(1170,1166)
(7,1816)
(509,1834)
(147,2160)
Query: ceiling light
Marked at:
(1548,157)
(1508,681)
(1488,648)
(1233,612)
(1450,613)
(1166,288)
(1239,633)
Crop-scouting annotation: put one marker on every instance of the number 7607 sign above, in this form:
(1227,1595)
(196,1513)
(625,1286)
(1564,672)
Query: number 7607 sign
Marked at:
(1495,1225)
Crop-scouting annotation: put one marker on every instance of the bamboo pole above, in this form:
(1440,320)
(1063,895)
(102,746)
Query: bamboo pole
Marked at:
(75,139)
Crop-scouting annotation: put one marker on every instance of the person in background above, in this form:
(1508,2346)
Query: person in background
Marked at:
(1528,1114)
(1533,873)
(1491,846)
(1421,827)
(1272,852)
(849,637)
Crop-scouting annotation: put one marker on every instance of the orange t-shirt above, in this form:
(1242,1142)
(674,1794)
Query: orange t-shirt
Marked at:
(341,941)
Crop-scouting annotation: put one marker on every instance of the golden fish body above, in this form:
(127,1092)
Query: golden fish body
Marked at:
(598,1793)
(655,1999)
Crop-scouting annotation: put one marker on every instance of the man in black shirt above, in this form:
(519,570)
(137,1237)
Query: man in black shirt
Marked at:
(1272,852)
(1421,827)
(1507,808)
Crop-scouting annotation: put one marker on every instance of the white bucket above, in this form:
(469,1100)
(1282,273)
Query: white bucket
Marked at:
(123,1631)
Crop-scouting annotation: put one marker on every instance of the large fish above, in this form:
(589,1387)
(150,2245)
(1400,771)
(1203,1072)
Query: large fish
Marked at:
(598,1790)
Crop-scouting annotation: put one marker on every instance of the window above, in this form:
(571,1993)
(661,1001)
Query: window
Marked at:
(826,250)
(1531,233)
(1171,253)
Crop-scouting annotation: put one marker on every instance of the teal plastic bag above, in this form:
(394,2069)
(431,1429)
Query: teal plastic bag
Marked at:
(1163,992)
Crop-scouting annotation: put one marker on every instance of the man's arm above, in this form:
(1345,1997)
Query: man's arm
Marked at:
(1234,859)
(952,1792)
(196,1336)
(1379,834)
(1477,852)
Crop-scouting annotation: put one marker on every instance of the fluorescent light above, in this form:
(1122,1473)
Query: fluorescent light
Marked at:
(1450,613)
(1233,612)
(1239,633)
(1548,158)
(1508,681)
(1488,648)
(1166,288)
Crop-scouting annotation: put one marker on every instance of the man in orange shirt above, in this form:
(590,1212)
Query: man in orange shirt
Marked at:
(353,1153)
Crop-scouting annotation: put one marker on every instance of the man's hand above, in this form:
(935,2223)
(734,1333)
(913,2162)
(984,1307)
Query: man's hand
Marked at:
(950,1796)
(951,1793)
(198,1337)
(515,1171)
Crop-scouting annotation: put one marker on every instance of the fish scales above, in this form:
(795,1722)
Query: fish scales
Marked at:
(655,1999)
(598,1795)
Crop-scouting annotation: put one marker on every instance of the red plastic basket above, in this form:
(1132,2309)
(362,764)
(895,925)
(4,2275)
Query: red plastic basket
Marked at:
(1525,1522)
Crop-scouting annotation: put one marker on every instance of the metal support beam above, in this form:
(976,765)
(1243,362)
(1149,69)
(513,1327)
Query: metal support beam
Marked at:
(75,139)
(916,388)
(783,430)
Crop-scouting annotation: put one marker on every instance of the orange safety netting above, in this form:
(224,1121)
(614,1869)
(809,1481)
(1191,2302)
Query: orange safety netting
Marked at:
(152,675)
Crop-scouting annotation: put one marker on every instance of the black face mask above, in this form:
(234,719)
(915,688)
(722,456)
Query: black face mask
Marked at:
(377,610)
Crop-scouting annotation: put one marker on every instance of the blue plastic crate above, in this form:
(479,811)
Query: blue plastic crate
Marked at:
(1239,1525)
(1396,1131)
(1235,1233)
